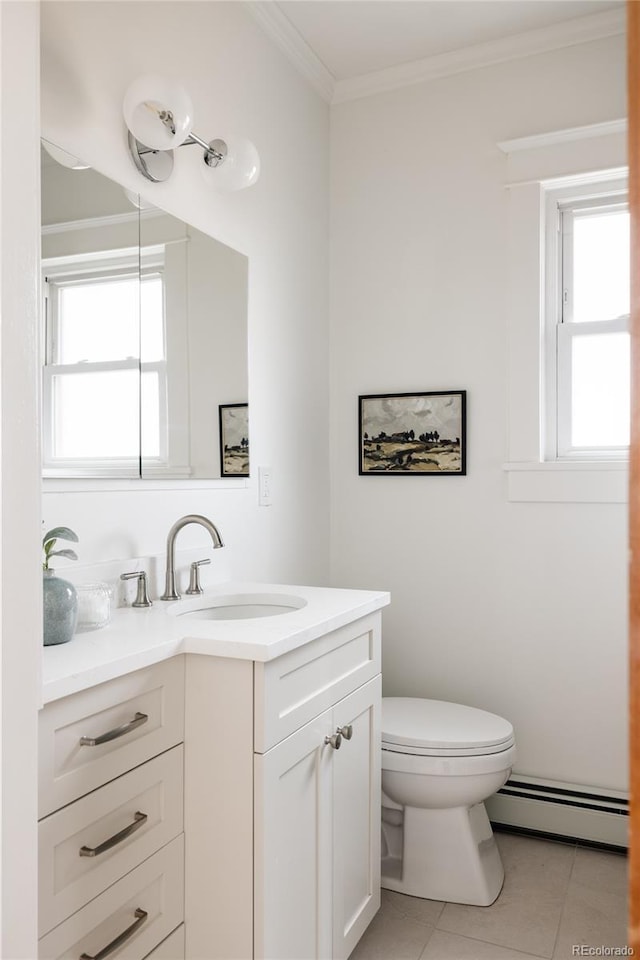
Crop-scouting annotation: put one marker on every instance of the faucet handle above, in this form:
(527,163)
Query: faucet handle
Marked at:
(142,597)
(194,576)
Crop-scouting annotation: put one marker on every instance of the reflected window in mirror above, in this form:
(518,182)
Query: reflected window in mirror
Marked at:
(101,315)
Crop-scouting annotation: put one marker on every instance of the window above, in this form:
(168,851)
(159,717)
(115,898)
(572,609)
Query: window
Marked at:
(587,355)
(548,458)
(104,408)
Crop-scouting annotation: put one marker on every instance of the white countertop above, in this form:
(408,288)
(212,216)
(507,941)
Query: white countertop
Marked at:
(136,638)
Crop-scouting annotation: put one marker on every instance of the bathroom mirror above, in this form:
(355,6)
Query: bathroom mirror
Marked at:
(144,334)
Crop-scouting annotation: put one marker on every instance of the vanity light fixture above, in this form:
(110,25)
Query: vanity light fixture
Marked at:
(159,118)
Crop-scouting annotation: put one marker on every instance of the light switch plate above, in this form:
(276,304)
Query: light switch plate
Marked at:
(264,486)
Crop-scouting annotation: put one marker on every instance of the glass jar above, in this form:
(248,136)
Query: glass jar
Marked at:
(94,606)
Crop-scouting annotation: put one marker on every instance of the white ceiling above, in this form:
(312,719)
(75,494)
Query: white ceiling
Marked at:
(352,38)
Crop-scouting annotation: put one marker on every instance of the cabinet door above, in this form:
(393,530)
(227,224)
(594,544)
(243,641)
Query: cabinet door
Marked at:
(356,818)
(293,846)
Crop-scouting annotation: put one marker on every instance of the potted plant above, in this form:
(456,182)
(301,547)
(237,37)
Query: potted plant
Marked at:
(60,600)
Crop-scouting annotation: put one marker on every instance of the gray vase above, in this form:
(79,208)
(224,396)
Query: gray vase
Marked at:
(59,607)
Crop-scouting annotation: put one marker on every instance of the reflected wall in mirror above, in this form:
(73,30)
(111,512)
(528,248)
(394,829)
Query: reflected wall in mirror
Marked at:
(144,334)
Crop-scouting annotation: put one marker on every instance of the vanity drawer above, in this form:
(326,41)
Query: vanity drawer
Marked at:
(140,715)
(295,688)
(170,949)
(155,887)
(115,827)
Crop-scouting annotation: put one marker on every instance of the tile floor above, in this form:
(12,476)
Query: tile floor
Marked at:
(555,895)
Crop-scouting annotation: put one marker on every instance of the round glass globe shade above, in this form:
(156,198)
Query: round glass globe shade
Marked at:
(147,101)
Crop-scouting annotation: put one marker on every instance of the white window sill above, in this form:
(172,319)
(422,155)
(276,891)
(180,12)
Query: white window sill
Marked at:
(568,481)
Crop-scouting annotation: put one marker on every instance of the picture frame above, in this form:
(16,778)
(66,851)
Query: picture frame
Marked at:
(413,434)
(234,439)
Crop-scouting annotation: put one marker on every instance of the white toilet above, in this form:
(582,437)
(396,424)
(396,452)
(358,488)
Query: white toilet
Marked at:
(440,762)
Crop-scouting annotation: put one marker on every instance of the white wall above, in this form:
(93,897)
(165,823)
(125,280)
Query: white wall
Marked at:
(518,608)
(21,610)
(240,83)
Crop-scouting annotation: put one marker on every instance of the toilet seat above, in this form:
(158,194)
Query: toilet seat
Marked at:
(428,765)
(437,728)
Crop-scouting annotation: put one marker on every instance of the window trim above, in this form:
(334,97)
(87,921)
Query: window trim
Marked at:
(571,156)
(559,197)
(528,476)
(83,268)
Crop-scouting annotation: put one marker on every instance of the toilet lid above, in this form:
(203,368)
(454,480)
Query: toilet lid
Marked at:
(439,728)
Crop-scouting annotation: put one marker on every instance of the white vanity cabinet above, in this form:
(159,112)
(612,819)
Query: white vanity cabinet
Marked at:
(282,829)
(111,850)
(197,806)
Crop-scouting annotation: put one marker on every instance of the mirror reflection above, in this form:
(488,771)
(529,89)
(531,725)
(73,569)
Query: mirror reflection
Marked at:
(144,335)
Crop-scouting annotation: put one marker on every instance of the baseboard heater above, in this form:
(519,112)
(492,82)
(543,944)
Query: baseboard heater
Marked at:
(564,810)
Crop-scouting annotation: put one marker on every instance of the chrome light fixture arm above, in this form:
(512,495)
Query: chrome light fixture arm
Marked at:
(215,152)
(157,165)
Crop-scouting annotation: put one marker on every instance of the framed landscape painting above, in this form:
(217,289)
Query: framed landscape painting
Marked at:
(234,439)
(413,433)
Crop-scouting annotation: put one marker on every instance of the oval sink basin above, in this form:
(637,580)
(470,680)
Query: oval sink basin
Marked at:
(238,607)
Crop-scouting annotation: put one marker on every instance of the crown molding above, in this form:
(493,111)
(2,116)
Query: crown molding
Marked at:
(280,29)
(595,26)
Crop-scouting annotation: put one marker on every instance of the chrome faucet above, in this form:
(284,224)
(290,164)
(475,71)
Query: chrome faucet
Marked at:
(170,592)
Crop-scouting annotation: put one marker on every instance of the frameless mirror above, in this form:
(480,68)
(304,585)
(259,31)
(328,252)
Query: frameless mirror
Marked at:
(144,346)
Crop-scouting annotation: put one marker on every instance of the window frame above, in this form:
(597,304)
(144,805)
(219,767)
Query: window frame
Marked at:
(560,201)
(63,271)
(573,156)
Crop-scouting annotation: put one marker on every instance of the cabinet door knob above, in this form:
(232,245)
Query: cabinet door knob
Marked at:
(334,741)
(347,731)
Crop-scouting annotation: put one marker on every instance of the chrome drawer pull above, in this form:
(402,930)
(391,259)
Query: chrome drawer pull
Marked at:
(140,819)
(140,915)
(347,732)
(137,721)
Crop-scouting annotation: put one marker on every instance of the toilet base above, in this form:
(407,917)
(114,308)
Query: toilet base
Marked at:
(448,855)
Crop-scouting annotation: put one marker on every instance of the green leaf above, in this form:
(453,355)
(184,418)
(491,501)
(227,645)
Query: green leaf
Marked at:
(60,533)
(69,554)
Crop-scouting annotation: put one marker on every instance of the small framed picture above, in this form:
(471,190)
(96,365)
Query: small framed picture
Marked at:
(234,439)
(413,433)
